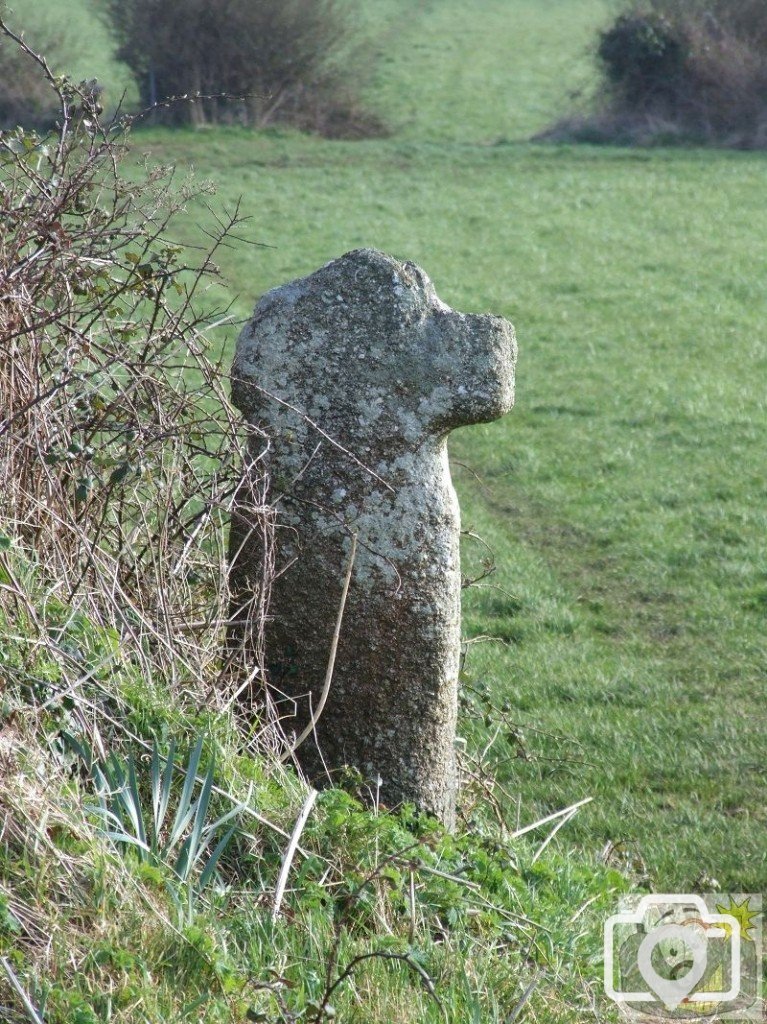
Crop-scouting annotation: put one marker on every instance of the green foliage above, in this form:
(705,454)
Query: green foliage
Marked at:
(420,924)
(190,845)
(643,58)
(697,68)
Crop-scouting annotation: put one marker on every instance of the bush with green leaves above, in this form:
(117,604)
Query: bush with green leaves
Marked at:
(700,66)
(691,71)
(643,57)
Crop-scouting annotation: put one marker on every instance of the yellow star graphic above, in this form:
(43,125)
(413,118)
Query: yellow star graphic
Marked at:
(742,914)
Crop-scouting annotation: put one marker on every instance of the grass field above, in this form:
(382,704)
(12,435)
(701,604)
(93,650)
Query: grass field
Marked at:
(626,496)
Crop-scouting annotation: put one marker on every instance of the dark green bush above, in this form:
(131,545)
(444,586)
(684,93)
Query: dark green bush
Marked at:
(687,70)
(643,57)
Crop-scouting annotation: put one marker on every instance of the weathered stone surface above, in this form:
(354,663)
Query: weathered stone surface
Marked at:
(364,353)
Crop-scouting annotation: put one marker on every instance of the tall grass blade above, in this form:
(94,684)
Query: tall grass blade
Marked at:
(31,1012)
(185,808)
(212,829)
(551,817)
(189,850)
(287,858)
(133,802)
(128,840)
(167,783)
(521,1004)
(207,872)
(162,783)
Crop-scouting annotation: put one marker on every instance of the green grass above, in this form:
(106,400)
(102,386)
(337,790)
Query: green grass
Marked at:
(625,496)
(141,937)
(477,73)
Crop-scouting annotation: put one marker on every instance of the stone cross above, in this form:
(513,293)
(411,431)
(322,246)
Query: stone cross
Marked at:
(356,375)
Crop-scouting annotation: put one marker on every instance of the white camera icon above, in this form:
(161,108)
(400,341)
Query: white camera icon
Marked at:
(675,932)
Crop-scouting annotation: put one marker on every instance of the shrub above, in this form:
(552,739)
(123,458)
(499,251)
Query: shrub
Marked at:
(694,70)
(119,451)
(643,57)
(252,61)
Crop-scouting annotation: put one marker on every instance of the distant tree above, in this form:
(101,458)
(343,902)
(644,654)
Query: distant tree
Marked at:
(252,61)
(700,66)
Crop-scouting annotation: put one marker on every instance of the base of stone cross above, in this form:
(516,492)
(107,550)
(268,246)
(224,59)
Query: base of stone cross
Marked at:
(356,375)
